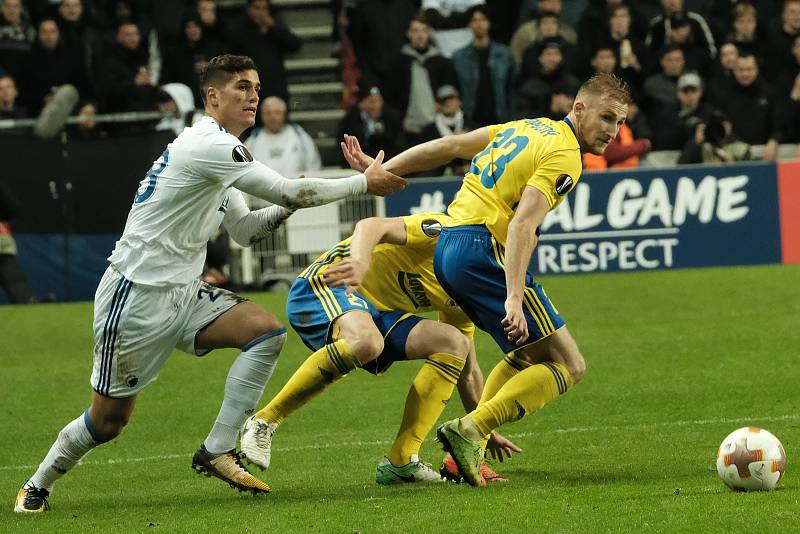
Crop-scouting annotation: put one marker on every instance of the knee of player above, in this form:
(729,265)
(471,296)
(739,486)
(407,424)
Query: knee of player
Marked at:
(457,344)
(367,347)
(449,339)
(109,427)
(577,368)
(267,323)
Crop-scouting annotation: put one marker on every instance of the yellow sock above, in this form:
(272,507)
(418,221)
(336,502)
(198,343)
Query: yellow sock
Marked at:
(525,393)
(324,367)
(505,370)
(425,402)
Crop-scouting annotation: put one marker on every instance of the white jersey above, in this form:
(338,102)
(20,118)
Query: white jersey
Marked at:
(180,204)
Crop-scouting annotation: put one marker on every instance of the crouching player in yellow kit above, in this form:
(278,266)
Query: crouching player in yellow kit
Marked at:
(526,169)
(366,319)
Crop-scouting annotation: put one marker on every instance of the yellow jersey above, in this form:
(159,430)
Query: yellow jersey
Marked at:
(400,277)
(542,153)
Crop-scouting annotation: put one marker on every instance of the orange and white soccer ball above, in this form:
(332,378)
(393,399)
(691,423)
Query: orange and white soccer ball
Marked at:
(751,459)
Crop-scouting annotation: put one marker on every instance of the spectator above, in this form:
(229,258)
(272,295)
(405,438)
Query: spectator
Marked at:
(185,60)
(484,70)
(694,53)
(543,70)
(124,84)
(177,100)
(633,57)
(561,100)
(450,20)
(659,89)
(87,128)
(745,28)
(593,26)
(213,29)
(77,32)
(9,109)
(16,37)
(449,120)
(547,24)
(604,60)
(722,69)
(662,26)
(547,27)
(749,105)
(116,12)
(638,122)
(266,39)
(715,142)
(788,112)
(678,122)
(283,146)
(375,125)
(418,72)
(12,278)
(778,48)
(377,32)
(505,17)
(787,80)
(55,65)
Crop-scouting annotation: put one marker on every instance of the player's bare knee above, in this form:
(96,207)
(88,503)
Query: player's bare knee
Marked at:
(577,368)
(110,426)
(448,339)
(455,343)
(366,347)
(259,323)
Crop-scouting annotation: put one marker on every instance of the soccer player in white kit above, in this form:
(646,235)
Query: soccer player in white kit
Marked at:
(150,299)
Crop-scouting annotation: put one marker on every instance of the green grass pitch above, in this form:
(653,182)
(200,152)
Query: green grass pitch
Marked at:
(676,361)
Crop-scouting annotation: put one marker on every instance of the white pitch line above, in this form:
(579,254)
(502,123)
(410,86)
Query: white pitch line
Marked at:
(361,444)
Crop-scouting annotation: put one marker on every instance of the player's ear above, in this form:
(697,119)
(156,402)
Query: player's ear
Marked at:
(212,96)
(579,107)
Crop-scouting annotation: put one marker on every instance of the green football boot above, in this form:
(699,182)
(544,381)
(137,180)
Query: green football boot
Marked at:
(467,454)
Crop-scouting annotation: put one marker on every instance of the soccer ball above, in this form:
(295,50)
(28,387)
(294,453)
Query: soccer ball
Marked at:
(751,459)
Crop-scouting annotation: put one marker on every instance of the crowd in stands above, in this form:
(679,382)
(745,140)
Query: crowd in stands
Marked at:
(710,78)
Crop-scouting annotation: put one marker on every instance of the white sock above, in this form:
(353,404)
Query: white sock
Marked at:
(249,374)
(74,442)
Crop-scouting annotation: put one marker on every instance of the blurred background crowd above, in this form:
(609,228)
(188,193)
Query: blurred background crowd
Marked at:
(714,81)
(710,78)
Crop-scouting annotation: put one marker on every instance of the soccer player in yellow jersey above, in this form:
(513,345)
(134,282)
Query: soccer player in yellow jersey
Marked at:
(482,257)
(384,275)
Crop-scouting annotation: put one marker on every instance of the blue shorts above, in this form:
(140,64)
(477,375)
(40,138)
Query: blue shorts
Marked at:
(312,306)
(469,265)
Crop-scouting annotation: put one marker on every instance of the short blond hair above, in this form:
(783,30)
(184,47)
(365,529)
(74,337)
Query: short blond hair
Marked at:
(608,86)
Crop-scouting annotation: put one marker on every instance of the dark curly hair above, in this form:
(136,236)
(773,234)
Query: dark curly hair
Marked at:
(219,71)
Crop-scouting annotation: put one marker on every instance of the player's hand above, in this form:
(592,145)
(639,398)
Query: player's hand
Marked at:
(381,182)
(499,446)
(514,323)
(355,157)
(349,273)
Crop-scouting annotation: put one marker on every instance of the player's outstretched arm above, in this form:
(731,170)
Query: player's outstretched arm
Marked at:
(350,272)
(247,227)
(530,213)
(421,157)
(264,183)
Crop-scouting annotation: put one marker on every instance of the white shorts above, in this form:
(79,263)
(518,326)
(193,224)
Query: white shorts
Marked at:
(136,327)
